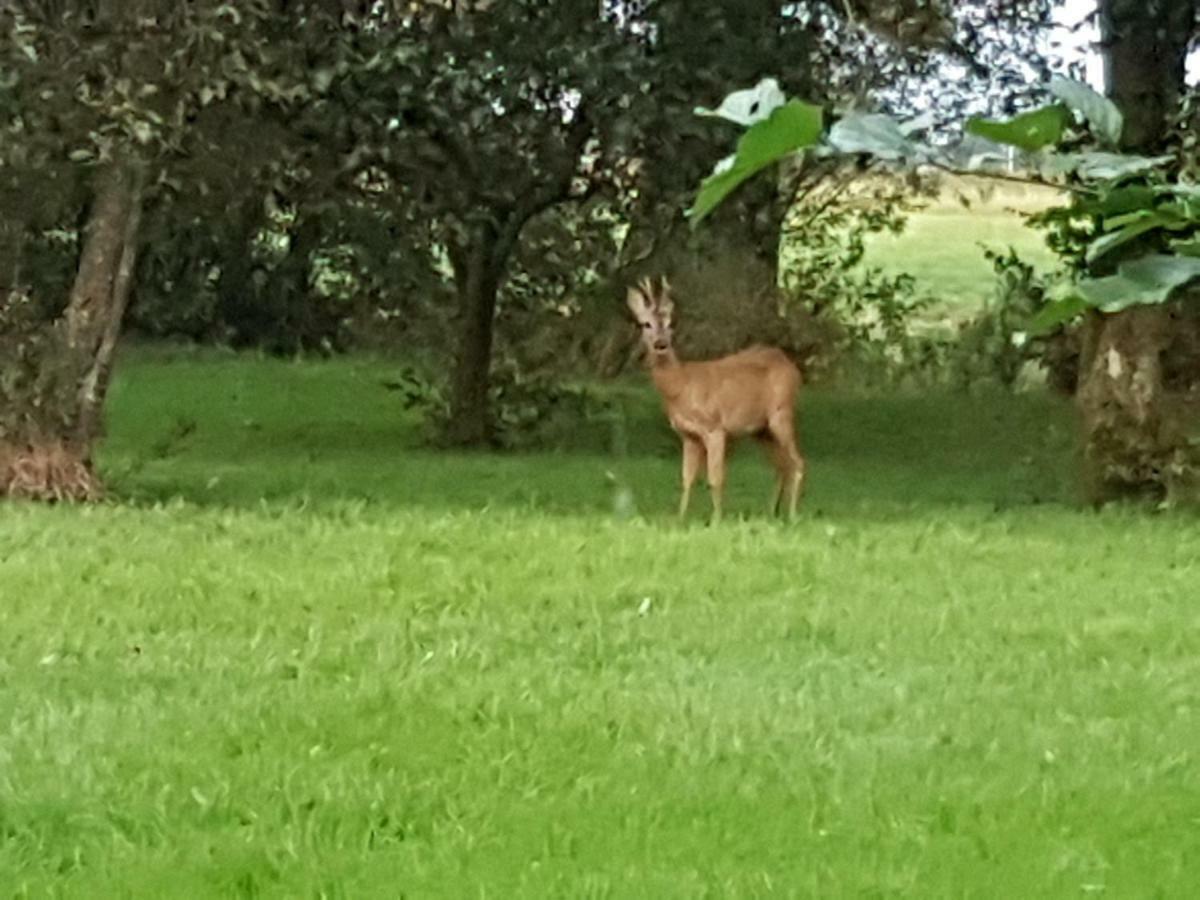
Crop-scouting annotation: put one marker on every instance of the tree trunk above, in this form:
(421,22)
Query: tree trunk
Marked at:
(477,274)
(1129,441)
(240,309)
(102,344)
(1145,63)
(54,412)
(299,321)
(1130,447)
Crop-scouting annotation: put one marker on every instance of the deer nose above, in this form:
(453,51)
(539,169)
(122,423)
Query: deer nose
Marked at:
(660,344)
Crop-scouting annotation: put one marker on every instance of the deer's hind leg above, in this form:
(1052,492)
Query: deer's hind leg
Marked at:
(789,463)
(714,450)
(779,461)
(693,459)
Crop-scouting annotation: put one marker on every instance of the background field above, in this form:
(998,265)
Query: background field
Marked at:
(309,658)
(942,245)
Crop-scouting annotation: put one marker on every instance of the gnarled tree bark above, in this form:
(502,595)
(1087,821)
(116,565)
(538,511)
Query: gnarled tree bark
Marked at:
(46,449)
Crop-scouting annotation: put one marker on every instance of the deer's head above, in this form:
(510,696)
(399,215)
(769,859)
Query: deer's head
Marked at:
(652,311)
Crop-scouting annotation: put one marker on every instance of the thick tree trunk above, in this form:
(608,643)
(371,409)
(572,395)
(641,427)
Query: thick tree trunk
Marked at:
(240,310)
(1130,447)
(478,276)
(299,322)
(1145,62)
(102,343)
(1129,442)
(55,414)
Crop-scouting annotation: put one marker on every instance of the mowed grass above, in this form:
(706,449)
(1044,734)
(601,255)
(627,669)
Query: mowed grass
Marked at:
(307,658)
(942,246)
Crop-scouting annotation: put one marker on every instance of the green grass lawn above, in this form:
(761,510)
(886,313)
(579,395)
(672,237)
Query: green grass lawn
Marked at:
(309,658)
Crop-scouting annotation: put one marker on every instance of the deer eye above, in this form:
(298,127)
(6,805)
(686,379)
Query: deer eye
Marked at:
(645,324)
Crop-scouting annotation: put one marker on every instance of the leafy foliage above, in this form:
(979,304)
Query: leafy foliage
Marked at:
(1029,131)
(823,262)
(789,128)
(1125,198)
(532,411)
(878,135)
(1143,281)
(1101,114)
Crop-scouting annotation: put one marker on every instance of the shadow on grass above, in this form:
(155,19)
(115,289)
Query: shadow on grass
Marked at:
(240,432)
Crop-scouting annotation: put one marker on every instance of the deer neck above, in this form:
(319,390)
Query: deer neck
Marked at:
(666,372)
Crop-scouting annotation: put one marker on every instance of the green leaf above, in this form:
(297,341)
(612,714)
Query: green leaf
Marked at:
(1112,166)
(1182,189)
(1057,312)
(1140,282)
(791,127)
(1108,242)
(1116,201)
(1124,228)
(1100,112)
(1029,131)
(1187,246)
(1170,215)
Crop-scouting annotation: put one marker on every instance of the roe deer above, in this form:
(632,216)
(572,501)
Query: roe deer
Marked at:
(752,392)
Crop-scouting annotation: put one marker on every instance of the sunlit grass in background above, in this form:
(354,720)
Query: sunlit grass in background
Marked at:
(942,246)
(309,658)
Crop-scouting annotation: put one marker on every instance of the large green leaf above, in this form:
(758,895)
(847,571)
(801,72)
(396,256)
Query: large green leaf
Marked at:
(1119,200)
(791,127)
(1187,246)
(1144,281)
(1124,228)
(1058,311)
(1182,189)
(1029,131)
(1140,282)
(1100,112)
(1111,166)
(1169,215)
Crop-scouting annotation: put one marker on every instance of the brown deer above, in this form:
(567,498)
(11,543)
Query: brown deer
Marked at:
(752,392)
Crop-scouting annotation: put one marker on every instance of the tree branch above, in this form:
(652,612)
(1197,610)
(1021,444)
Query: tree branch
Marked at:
(456,151)
(1016,179)
(557,187)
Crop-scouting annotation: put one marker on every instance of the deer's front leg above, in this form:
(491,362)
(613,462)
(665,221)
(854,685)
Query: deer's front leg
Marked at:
(693,458)
(714,449)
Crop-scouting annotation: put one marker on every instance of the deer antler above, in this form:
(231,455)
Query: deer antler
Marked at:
(646,286)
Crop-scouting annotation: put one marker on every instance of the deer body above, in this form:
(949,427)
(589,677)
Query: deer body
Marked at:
(752,392)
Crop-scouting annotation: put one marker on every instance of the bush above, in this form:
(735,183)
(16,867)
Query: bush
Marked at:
(529,411)
(993,347)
